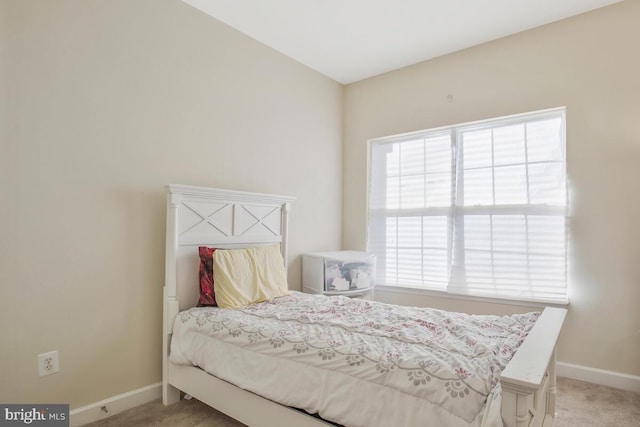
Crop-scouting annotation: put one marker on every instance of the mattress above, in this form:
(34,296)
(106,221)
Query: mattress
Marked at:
(356,362)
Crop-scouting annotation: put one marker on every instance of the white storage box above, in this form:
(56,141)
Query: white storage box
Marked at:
(340,272)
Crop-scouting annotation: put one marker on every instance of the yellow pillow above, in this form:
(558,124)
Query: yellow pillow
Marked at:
(245,276)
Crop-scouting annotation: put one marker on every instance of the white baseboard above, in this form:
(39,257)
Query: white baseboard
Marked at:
(599,376)
(122,402)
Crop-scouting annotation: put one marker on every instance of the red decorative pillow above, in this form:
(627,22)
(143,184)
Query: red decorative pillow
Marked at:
(207,291)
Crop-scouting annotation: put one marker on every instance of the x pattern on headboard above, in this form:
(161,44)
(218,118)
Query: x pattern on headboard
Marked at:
(226,221)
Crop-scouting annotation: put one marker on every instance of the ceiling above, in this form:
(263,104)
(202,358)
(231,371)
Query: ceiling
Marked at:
(350,40)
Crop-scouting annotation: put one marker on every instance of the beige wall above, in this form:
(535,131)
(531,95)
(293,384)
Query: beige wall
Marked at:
(588,63)
(110,100)
(7,151)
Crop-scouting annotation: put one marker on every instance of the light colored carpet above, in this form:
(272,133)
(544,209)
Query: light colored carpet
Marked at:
(579,404)
(586,404)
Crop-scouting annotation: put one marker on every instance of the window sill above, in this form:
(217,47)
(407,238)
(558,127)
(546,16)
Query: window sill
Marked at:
(410,290)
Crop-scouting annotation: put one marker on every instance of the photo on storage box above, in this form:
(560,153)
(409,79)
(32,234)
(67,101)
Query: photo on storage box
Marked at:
(348,275)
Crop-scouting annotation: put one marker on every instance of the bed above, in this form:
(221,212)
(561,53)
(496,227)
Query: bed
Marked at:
(198,216)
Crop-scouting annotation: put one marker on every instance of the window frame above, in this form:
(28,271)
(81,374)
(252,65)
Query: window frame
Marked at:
(456,209)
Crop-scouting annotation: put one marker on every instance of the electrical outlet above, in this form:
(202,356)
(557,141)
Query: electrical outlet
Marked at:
(48,363)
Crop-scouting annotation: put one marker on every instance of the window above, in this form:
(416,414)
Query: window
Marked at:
(475,209)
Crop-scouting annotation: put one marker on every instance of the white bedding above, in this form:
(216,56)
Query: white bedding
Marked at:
(357,362)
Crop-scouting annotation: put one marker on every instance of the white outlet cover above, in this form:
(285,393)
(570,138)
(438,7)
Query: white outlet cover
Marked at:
(48,363)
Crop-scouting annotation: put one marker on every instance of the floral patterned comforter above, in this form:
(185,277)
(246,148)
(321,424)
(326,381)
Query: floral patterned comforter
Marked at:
(452,360)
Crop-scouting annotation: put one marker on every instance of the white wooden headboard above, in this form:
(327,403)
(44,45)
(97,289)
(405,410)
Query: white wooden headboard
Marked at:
(199,216)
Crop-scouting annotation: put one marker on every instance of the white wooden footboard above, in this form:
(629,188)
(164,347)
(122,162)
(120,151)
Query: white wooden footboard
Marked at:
(529,380)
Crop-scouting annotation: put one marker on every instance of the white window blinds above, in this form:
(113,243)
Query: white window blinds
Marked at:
(476,209)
